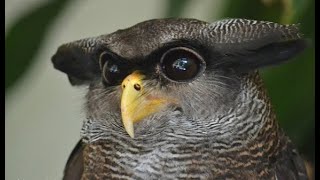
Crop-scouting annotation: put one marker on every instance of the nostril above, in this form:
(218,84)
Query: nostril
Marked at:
(137,87)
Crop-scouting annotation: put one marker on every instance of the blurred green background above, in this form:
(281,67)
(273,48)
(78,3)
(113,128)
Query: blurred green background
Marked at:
(35,99)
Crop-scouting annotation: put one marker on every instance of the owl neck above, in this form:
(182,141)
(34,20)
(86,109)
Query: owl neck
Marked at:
(252,119)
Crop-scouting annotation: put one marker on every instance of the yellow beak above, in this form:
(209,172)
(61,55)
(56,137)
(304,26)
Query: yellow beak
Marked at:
(136,104)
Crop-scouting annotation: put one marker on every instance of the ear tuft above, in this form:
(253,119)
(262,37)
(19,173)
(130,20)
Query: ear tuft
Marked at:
(80,66)
(271,54)
(247,45)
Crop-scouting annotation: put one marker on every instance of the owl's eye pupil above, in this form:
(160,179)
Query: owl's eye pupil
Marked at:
(181,64)
(113,71)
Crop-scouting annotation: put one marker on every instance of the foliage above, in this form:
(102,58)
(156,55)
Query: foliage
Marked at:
(24,39)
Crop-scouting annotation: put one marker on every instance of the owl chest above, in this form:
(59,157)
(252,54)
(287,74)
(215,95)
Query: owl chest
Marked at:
(109,161)
(155,164)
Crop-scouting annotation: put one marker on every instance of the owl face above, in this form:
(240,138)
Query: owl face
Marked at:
(174,75)
(174,82)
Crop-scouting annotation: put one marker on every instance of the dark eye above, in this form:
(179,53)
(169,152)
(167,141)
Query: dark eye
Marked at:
(113,70)
(182,64)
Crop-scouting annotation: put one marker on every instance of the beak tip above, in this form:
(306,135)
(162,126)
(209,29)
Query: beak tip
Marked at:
(131,135)
(128,126)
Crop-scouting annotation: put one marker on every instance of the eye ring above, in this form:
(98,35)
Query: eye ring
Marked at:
(102,59)
(181,64)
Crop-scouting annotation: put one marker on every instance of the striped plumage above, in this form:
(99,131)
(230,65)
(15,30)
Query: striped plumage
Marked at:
(221,124)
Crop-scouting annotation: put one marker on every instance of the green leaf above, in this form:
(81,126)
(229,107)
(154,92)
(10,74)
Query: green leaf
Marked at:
(25,37)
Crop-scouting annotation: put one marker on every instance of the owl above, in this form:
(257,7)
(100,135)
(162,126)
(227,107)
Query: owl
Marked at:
(181,98)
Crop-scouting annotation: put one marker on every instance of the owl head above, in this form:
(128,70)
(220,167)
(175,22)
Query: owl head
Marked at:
(182,77)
